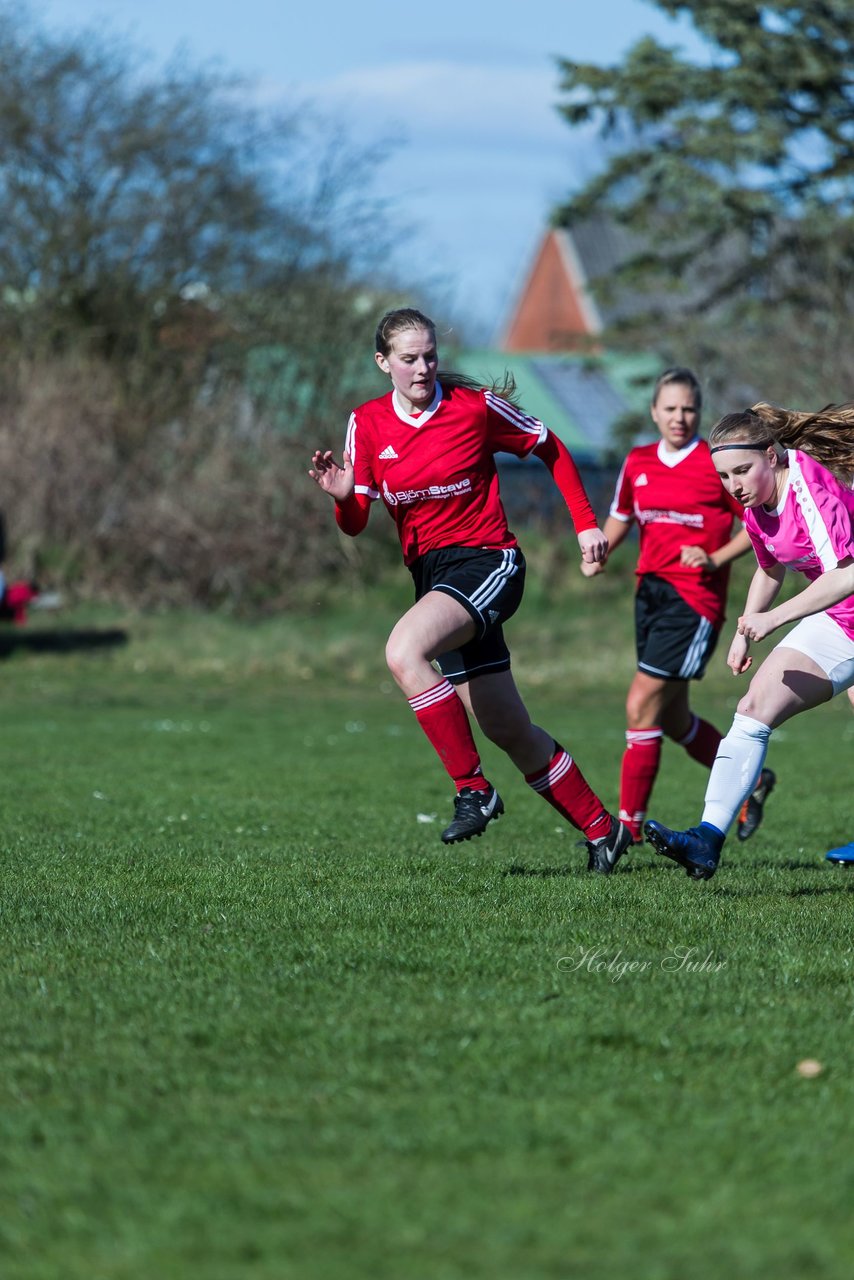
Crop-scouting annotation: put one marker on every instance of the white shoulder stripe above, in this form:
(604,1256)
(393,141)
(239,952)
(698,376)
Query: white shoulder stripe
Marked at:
(350,438)
(520,419)
(350,444)
(615,510)
(816,527)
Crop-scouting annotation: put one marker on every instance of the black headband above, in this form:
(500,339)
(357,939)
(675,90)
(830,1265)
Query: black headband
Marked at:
(738,444)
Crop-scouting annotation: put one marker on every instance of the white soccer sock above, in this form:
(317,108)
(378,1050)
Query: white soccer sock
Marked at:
(735,771)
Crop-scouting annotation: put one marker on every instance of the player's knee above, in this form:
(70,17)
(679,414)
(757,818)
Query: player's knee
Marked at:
(399,657)
(752,705)
(635,712)
(641,711)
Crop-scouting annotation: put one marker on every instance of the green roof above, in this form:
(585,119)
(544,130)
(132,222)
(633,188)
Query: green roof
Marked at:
(577,396)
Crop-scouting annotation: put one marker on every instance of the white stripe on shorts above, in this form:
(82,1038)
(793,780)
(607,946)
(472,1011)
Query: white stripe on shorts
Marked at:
(696,650)
(494,584)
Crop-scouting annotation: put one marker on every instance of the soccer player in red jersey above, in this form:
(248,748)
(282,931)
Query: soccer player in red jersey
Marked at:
(685,518)
(427,450)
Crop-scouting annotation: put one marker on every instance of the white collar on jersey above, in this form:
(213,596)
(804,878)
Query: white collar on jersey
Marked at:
(784,492)
(422,417)
(672,458)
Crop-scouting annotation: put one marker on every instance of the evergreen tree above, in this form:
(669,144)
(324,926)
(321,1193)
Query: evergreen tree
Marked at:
(734,176)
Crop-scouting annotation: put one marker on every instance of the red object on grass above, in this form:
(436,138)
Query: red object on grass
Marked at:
(16,597)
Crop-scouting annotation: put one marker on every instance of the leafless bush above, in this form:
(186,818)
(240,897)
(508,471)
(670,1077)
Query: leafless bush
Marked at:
(213,509)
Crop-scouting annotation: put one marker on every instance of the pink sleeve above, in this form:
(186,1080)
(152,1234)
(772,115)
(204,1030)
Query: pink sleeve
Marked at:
(764,558)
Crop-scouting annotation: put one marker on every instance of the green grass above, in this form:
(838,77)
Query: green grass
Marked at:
(256,1021)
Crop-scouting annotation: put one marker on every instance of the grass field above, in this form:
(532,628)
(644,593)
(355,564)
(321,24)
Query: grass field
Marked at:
(258,1022)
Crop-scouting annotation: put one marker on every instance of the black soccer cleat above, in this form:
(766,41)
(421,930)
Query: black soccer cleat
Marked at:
(751,811)
(604,854)
(473,812)
(688,848)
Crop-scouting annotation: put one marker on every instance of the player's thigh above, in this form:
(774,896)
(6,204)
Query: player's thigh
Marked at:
(435,623)
(488,584)
(810,665)
(787,683)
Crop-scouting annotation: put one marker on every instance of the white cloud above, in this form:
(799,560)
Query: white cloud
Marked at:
(472,104)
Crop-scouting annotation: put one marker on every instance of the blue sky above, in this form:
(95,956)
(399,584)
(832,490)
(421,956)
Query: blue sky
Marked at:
(463,94)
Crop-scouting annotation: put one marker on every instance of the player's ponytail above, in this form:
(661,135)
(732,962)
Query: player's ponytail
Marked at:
(827,436)
(504,387)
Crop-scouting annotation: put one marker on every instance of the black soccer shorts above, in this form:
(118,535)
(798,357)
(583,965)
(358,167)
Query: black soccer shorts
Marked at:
(489,584)
(673,641)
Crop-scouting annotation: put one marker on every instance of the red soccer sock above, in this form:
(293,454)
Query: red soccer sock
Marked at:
(641,759)
(563,785)
(701,741)
(443,718)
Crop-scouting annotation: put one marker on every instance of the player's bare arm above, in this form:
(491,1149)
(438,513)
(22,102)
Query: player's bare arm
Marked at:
(824,592)
(761,594)
(738,659)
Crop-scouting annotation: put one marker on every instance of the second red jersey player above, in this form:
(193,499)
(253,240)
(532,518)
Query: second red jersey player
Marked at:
(671,491)
(678,501)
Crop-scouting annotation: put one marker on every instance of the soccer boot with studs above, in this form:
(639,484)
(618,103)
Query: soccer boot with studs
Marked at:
(604,854)
(473,812)
(688,848)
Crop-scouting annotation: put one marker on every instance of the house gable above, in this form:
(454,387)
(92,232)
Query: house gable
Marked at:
(555,310)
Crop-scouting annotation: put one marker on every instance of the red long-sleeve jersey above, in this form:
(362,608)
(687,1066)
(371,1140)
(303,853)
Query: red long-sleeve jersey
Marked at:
(435,471)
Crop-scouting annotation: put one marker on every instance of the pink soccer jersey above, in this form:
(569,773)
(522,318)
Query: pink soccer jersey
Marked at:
(678,500)
(810,531)
(436,471)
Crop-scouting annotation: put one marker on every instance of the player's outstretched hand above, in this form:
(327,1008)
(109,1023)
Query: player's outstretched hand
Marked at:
(590,569)
(333,479)
(738,660)
(594,546)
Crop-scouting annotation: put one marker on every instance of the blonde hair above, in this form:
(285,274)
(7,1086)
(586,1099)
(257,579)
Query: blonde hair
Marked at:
(827,436)
(404,318)
(682,377)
